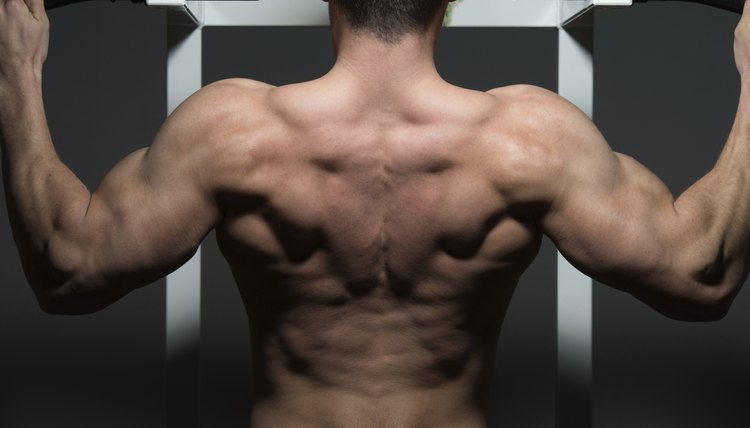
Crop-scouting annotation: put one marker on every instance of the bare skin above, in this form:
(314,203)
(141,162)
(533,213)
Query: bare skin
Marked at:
(377,220)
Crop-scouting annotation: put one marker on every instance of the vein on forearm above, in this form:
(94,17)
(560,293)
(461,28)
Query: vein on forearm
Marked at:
(43,195)
(719,203)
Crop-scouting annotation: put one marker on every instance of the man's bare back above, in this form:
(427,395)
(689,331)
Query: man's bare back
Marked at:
(377,220)
(377,253)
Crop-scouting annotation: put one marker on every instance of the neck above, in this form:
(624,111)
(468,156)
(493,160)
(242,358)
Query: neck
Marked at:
(386,65)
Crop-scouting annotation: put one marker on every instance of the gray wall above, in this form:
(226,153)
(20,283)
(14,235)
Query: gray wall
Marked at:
(666,93)
(666,97)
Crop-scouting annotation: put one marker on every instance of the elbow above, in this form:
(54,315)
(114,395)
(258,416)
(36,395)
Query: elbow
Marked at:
(710,304)
(693,312)
(717,287)
(706,292)
(66,300)
(53,307)
(718,302)
(63,289)
(66,307)
(711,312)
(78,291)
(50,301)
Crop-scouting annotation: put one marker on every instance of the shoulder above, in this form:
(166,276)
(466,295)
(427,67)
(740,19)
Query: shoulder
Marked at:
(543,119)
(539,106)
(525,124)
(220,105)
(535,133)
(213,128)
(214,101)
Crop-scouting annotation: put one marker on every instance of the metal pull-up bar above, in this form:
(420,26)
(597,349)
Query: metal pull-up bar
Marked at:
(730,5)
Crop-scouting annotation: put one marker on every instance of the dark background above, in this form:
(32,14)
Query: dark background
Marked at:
(666,92)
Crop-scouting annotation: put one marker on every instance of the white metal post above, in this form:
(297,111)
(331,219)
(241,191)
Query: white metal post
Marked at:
(574,289)
(184,77)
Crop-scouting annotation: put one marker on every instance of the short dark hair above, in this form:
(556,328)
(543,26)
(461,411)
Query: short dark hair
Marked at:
(389,20)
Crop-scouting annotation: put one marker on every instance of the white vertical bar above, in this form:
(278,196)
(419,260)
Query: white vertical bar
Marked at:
(574,293)
(183,286)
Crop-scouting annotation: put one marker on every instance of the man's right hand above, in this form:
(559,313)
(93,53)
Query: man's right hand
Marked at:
(742,44)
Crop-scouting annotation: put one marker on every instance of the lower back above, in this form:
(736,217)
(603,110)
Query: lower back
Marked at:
(333,408)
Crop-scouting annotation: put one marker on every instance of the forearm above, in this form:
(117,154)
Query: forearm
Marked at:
(44,197)
(716,210)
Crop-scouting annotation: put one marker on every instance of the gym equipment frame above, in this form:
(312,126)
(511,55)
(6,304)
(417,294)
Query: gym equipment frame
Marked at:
(574,20)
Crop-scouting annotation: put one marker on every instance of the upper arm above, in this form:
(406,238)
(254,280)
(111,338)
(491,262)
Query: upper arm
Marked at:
(614,219)
(152,210)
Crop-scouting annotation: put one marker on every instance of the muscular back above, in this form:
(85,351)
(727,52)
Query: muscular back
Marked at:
(374,249)
(377,221)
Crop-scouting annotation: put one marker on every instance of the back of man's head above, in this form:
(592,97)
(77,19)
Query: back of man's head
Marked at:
(389,20)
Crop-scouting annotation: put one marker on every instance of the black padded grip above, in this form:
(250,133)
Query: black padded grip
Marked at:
(730,5)
(52,4)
